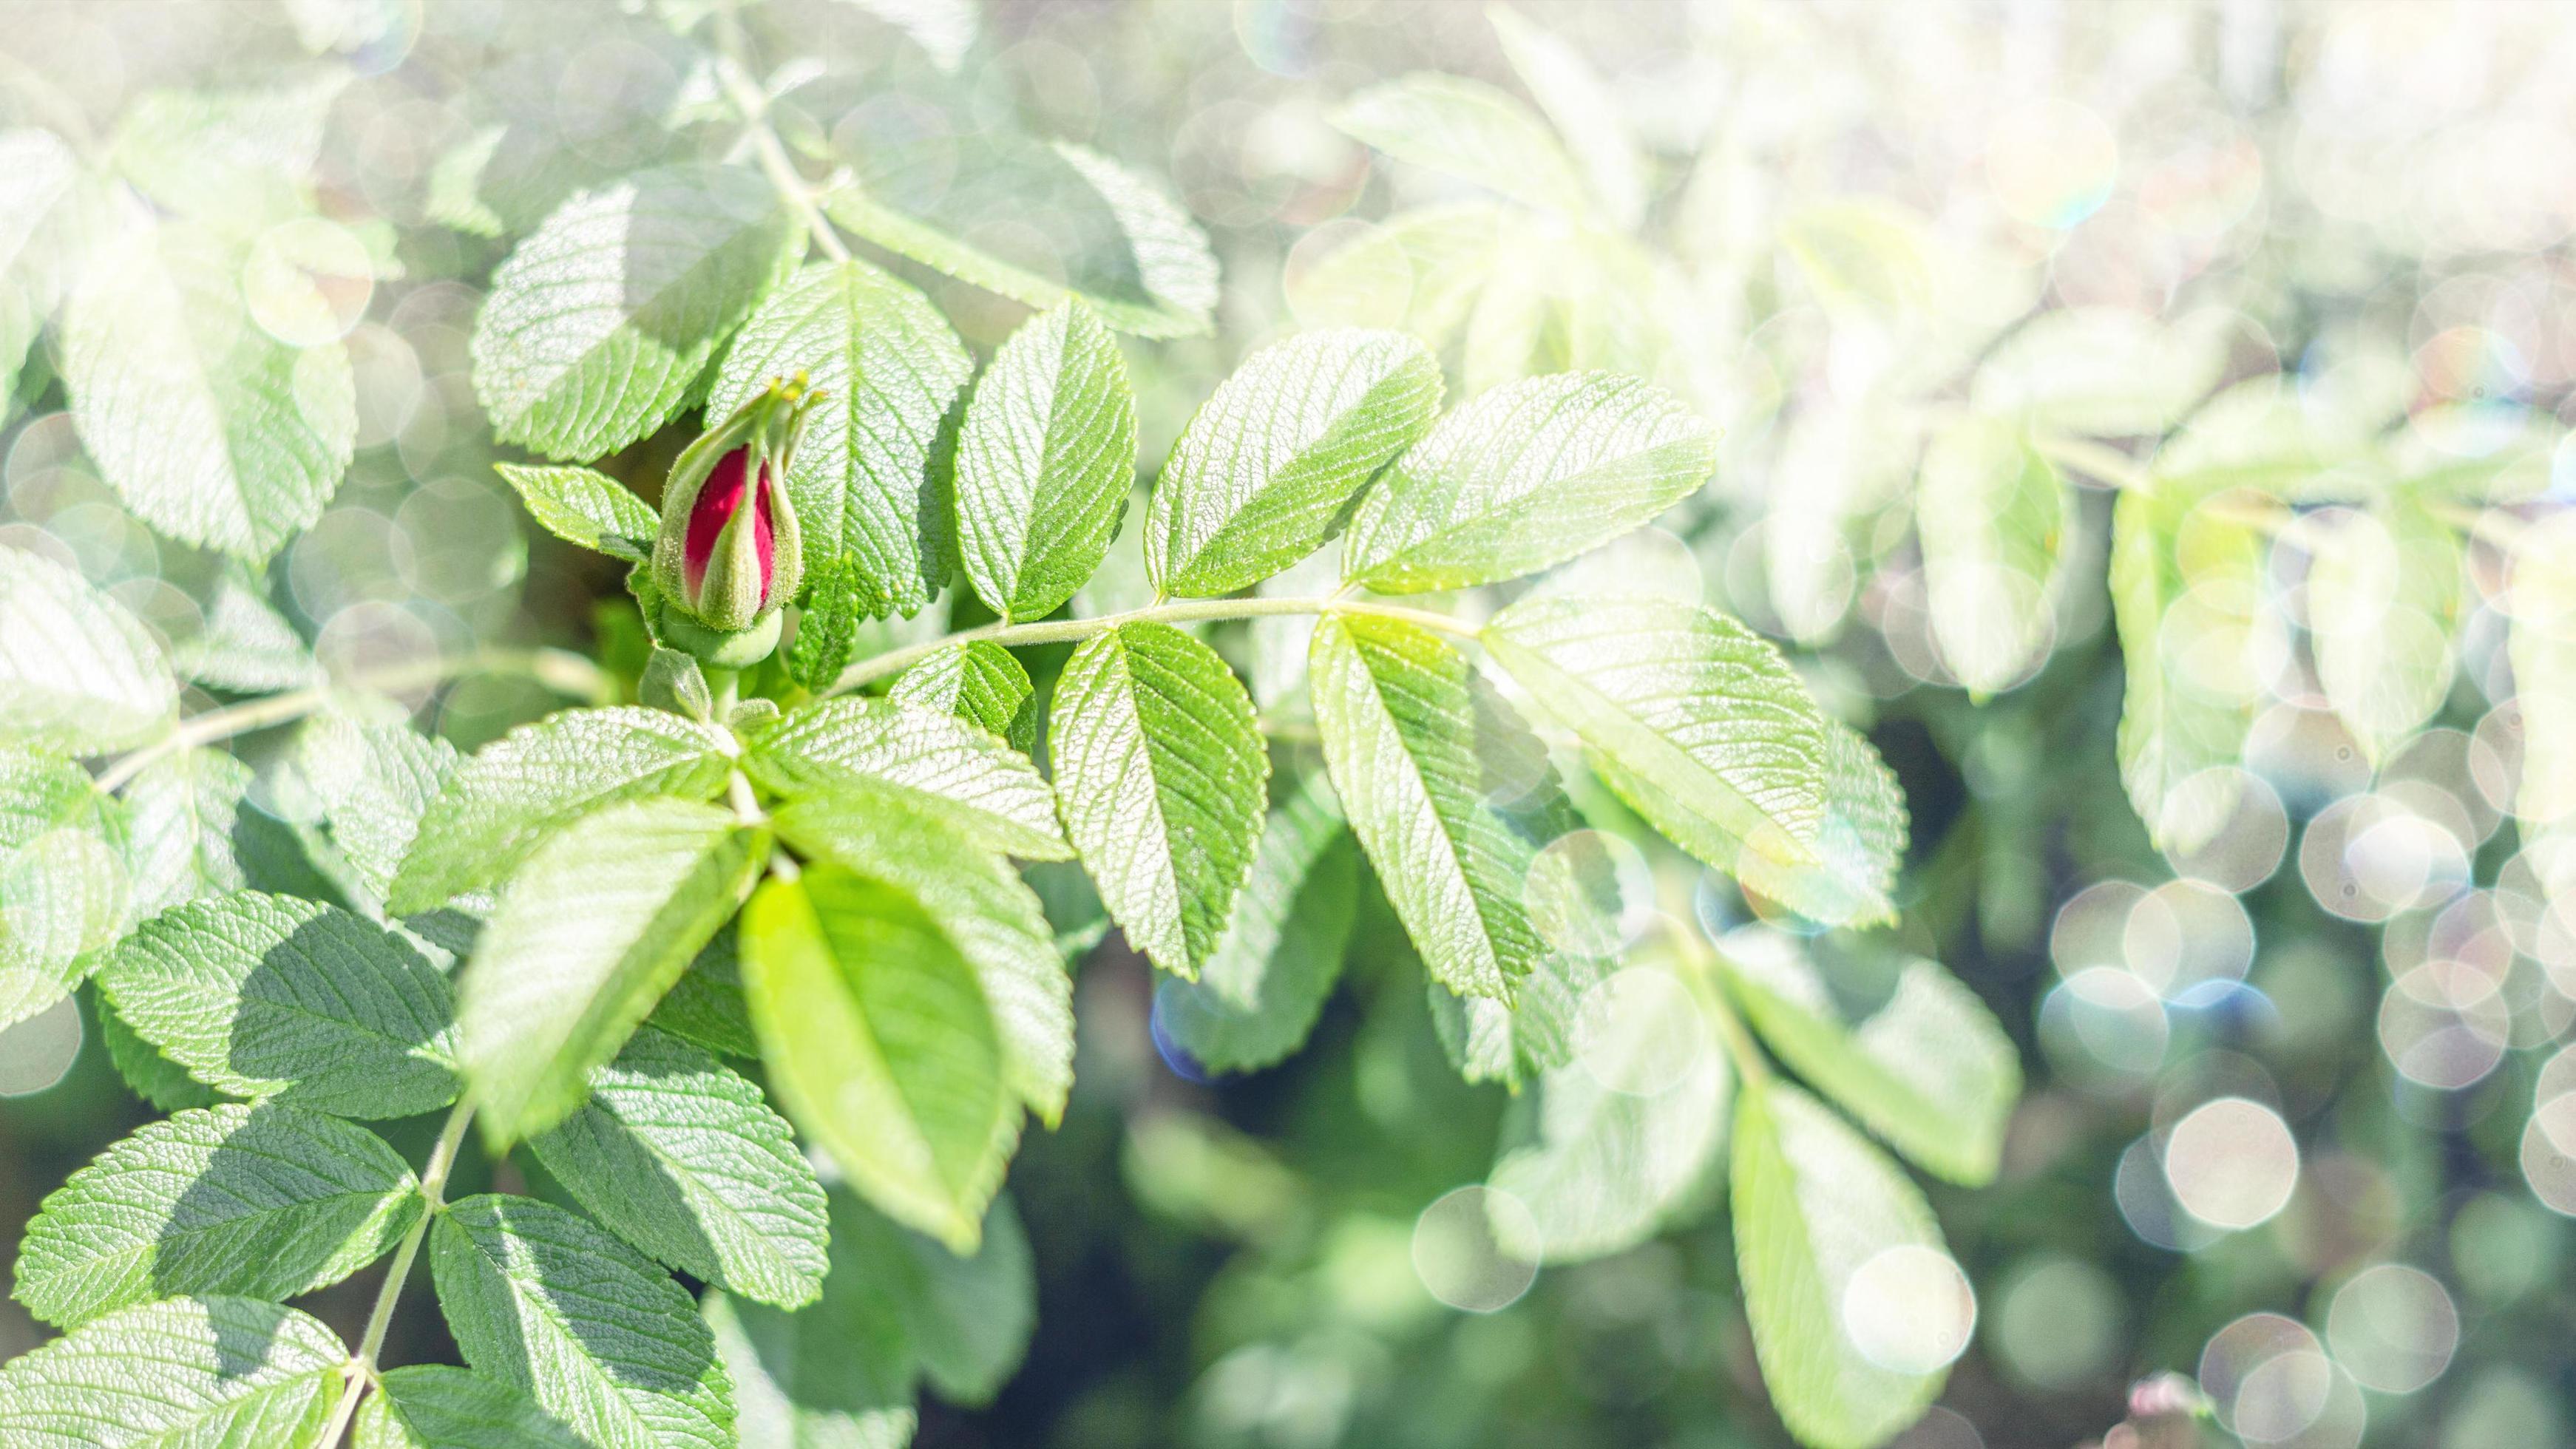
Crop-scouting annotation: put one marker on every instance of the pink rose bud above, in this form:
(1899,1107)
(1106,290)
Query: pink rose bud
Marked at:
(728,555)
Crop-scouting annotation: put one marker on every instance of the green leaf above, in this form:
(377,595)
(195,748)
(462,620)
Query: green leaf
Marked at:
(867,477)
(944,29)
(984,907)
(604,918)
(705,1005)
(1815,1208)
(1585,110)
(368,788)
(261,996)
(1035,221)
(981,683)
(2186,588)
(1163,772)
(203,1373)
(681,1156)
(1490,1040)
(1929,1071)
(833,1376)
(182,811)
(2102,371)
(1422,270)
(440,1406)
(155,1078)
(879,1039)
(587,507)
(246,645)
(1044,462)
(2384,597)
(2542,649)
(78,673)
(1257,997)
(242,154)
(1469,130)
(1266,471)
(63,880)
(266,1201)
(937,760)
(1851,879)
(539,778)
(212,430)
(1527,475)
(1704,729)
(544,1301)
(1446,789)
(1993,515)
(599,324)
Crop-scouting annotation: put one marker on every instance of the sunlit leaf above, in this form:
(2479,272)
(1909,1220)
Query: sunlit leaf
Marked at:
(1469,130)
(1045,462)
(78,673)
(1993,516)
(207,1373)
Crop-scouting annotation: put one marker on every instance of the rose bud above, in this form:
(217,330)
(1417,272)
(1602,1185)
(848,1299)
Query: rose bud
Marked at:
(728,555)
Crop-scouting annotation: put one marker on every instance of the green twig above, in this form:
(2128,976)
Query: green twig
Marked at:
(361,1368)
(775,163)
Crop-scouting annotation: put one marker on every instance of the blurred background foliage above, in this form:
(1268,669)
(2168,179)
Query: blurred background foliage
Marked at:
(2282,286)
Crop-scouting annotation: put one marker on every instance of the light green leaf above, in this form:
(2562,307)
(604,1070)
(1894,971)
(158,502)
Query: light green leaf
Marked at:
(78,674)
(983,906)
(705,1005)
(939,761)
(879,1039)
(64,888)
(1705,730)
(1422,270)
(1930,1071)
(1044,462)
(2384,597)
(587,507)
(1580,101)
(1527,475)
(531,783)
(1446,789)
(153,1077)
(981,683)
(681,1156)
(212,430)
(182,810)
(261,995)
(2102,371)
(368,788)
(604,918)
(246,645)
(440,1406)
(834,1376)
(2542,648)
(204,1373)
(1035,221)
(871,505)
(599,324)
(1865,257)
(1257,997)
(242,155)
(1851,878)
(1993,516)
(1829,1239)
(2186,591)
(1266,471)
(944,29)
(1163,773)
(263,1200)
(1514,1042)
(542,1300)
(1470,130)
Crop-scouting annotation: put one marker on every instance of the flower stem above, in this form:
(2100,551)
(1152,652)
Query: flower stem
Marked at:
(775,163)
(361,1369)
(1057,631)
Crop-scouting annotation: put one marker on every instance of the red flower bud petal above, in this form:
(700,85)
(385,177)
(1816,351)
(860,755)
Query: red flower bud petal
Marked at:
(764,536)
(712,510)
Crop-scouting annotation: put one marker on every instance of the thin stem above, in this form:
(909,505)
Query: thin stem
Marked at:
(563,672)
(371,1347)
(1057,631)
(2093,460)
(774,160)
(1749,1062)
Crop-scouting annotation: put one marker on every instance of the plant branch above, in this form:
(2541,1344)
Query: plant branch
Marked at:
(775,163)
(433,1186)
(558,670)
(1057,631)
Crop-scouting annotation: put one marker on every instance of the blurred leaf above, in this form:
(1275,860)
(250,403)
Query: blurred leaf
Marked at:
(63,880)
(600,323)
(1164,773)
(2384,595)
(1852,879)
(1865,257)
(208,1373)
(878,1038)
(1993,516)
(262,1200)
(517,791)
(587,938)
(1579,100)
(440,1406)
(182,811)
(1930,1071)
(833,1376)
(867,478)
(2102,371)
(981,683)
(1267,469)
(587,507)
(1816,1206)
(2185,585)
(1488,1040)
(681,1156)
(946,29)
(78,673)
(543,1301)
(1470,130)
(1045,462)
(706,1005)
(2542,648)
(1260,991)
(1420,270)
(213,431)
(238,156)
(370,785)
(935,759)
(246,645)
(261,995)
(1526,476)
